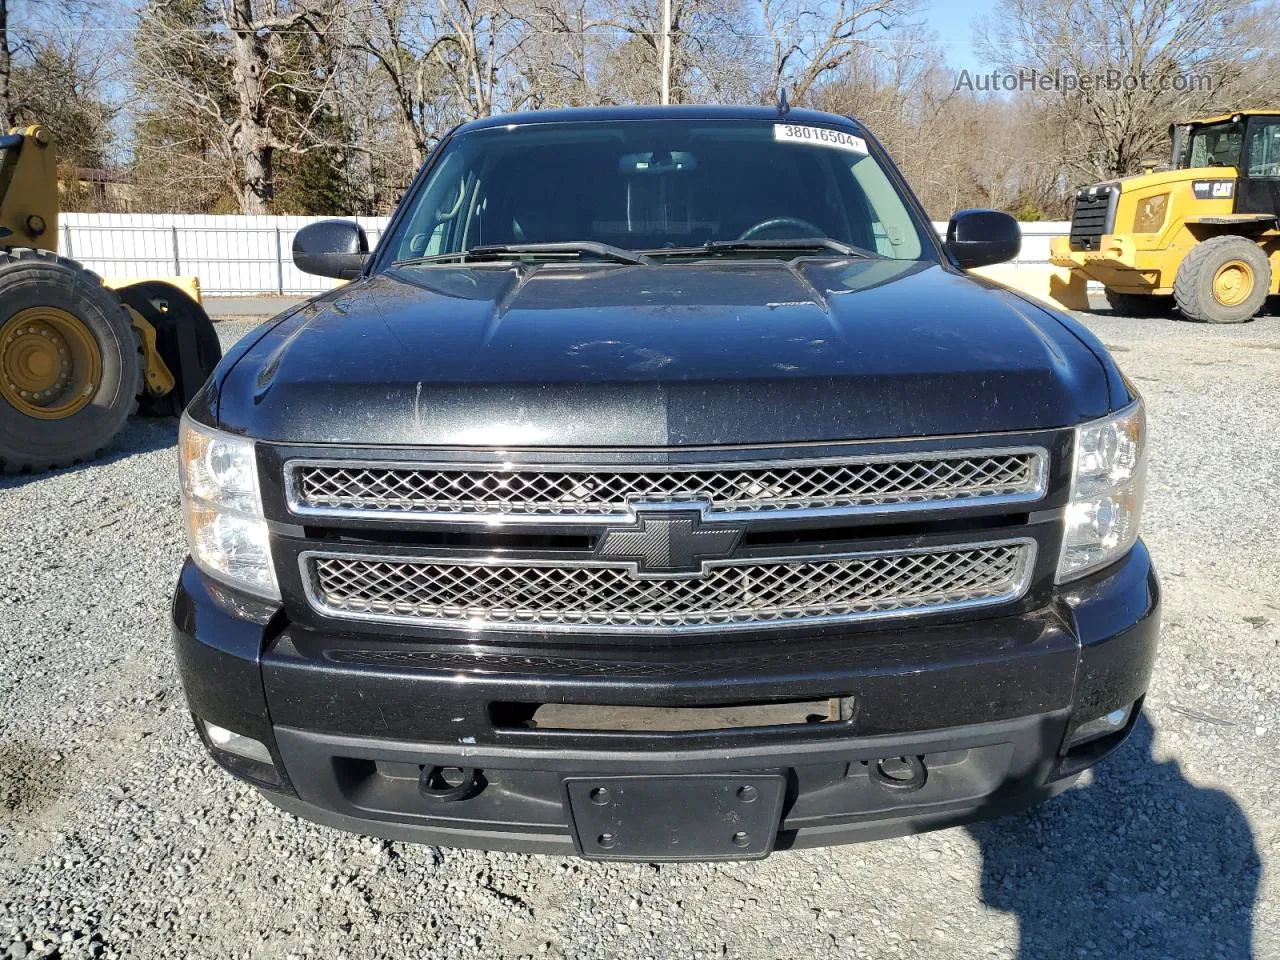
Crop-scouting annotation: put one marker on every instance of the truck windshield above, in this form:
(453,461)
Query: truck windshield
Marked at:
(642,185)
(1215,145)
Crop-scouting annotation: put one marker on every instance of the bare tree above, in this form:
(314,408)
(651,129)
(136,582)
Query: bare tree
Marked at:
(712,50)
(386,134)
(250,70)
(562,57)
(59,87)
(1146,63)
(20,41)
(477,46)
(903,93)
(344,98)
(6,68)
(396,35)
(55,69)
(809,39)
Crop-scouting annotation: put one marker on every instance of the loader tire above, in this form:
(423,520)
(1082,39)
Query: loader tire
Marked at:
(185,339)
(70,370)
(1138,304)
(1223,280)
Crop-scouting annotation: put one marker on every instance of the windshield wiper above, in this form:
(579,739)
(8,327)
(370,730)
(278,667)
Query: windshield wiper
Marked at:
(802,245)
(504,251)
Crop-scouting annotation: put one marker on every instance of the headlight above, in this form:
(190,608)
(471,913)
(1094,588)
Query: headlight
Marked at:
(1107,482)
(1150,216)
(225,526)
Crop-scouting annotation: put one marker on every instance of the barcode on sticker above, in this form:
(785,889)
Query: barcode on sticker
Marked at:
(821,136)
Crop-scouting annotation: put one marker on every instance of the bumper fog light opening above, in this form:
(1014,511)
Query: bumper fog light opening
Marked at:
(1103,726)
(243,757)
(237,744)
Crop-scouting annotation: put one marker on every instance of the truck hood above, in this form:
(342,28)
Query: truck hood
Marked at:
(725,352)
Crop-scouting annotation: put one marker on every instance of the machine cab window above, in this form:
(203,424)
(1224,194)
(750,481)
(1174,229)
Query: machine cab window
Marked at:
(1264,147)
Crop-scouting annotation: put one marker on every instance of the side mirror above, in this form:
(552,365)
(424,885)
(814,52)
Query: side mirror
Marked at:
(977,238)
(331,248)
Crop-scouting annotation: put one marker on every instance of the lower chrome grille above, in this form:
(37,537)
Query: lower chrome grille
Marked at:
(731,594)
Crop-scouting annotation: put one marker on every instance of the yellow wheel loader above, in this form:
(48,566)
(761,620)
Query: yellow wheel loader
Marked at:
(1203,236)
(77,356)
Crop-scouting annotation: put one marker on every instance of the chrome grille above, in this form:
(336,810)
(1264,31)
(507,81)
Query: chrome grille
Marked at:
(486,492)
(730,593)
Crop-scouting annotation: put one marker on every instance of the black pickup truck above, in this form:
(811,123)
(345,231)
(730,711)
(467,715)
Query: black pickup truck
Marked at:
(662,488)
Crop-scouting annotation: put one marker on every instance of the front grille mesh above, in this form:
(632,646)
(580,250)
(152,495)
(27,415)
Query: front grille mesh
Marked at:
(532,594)
(476,491)
(1089,220)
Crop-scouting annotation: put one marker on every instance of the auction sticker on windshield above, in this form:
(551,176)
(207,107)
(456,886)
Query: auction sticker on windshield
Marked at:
(821,136)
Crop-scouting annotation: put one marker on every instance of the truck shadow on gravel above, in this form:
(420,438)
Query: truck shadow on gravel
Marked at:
(1140,863)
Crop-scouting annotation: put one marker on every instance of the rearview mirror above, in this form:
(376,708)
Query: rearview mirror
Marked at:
(978,238)
(331,248)
(659,161)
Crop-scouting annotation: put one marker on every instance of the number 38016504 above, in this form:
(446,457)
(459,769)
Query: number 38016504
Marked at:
(822,136)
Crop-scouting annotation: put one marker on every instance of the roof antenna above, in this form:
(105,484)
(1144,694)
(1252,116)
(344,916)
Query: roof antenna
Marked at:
(783,107)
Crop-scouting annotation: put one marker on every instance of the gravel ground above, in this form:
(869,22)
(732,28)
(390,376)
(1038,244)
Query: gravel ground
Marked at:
(119,838)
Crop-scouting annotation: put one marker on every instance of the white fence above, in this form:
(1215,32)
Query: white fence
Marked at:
(248,256)
(232,255)
(1035,238)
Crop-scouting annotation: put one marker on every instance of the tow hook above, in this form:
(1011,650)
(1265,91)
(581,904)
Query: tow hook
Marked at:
(899,774)
(447,784)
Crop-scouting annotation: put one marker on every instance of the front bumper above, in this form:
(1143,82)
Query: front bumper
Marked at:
(1120,264)
(988,704)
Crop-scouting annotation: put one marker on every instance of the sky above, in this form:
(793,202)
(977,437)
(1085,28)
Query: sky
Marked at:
(953,21)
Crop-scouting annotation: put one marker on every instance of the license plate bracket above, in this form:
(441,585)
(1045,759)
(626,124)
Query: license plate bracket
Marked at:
(695,817)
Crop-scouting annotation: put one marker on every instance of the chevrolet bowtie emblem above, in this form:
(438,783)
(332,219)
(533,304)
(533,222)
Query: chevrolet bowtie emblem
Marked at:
(668,543)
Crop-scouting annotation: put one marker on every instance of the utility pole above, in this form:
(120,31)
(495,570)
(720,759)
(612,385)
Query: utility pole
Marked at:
(666,52)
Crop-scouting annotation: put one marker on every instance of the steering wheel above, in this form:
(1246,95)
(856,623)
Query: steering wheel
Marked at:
(806,228)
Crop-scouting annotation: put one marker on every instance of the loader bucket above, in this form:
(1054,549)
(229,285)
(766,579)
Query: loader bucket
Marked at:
(1060,287)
